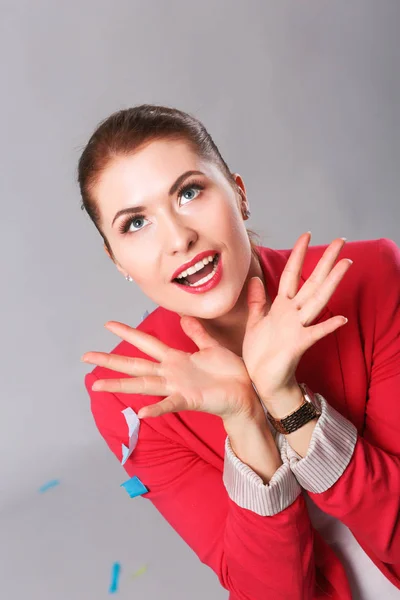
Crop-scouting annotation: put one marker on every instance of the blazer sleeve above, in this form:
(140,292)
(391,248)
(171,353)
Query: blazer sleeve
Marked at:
(255,557)
(357,479)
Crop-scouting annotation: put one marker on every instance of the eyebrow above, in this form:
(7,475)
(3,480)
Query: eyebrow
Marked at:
(173,189)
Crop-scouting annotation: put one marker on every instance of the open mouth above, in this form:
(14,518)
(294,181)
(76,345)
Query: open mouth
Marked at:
(206,273)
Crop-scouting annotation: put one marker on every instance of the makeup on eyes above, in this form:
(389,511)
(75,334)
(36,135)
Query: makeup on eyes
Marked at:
(124,227)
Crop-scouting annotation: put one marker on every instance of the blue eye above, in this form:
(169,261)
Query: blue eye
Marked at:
(191,187)
(129,222)
(125,226)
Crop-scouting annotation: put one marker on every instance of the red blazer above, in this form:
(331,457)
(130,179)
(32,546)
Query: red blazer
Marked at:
(180,456)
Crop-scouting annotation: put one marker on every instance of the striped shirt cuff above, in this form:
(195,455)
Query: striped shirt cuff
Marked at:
(248,490)
(330,450)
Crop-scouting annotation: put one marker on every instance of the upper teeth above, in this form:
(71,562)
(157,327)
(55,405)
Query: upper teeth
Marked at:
(199,265)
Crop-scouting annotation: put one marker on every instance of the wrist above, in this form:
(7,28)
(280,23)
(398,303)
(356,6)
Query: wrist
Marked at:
(252,442)
(239,424)
(284,401)
(251,416)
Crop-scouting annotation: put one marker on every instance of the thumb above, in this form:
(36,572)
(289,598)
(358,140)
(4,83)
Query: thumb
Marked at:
(197,332)
(256,301)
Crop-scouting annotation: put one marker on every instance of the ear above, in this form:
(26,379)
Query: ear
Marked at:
(107,252)
(240,184)
(120,269)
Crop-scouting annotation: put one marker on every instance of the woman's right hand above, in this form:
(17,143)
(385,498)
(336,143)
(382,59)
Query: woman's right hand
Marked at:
(213,380)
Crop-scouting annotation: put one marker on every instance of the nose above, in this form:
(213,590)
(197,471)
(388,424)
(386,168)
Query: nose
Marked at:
(177,236)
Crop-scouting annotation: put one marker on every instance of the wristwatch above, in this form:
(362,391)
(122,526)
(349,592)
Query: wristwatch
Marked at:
(309,409)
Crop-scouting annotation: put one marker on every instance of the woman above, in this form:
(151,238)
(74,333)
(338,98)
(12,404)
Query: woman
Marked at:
(279,506)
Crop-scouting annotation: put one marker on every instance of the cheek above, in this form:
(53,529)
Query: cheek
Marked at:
(146,276)
(235,229)
(224,222)
(142,271)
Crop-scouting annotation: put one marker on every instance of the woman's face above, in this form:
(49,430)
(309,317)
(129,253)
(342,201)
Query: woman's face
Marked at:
(172,229)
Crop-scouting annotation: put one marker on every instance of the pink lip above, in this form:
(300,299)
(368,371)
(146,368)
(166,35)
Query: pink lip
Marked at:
(193,262)
(212,283)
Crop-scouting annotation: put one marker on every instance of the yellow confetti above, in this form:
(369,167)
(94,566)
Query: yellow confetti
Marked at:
(140,571)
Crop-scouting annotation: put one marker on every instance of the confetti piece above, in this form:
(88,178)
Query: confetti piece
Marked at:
(139,572)
(133,423)
(49,485)
(134,487)
(116,570)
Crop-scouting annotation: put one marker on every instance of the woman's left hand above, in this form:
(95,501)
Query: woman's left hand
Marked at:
(277,336)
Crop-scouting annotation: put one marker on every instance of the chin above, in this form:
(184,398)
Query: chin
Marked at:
(221,308)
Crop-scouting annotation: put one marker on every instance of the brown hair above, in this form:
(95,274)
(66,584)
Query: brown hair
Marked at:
(125,131)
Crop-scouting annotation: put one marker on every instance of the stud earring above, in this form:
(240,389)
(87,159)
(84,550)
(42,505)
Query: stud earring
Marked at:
(128,278)
(247,213)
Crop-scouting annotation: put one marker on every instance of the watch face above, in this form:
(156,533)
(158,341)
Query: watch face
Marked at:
(317,404)
(311,397)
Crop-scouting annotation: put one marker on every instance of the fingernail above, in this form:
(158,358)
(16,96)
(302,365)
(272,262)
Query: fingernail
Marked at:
(344,239)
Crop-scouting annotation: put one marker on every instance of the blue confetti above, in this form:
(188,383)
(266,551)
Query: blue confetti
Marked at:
(116,570)
(145,314)
(134,487)
(48,485)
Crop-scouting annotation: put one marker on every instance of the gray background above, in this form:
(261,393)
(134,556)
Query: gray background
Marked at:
(302,99)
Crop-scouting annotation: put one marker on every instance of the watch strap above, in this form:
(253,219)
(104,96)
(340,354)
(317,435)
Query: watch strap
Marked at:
(308,410)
